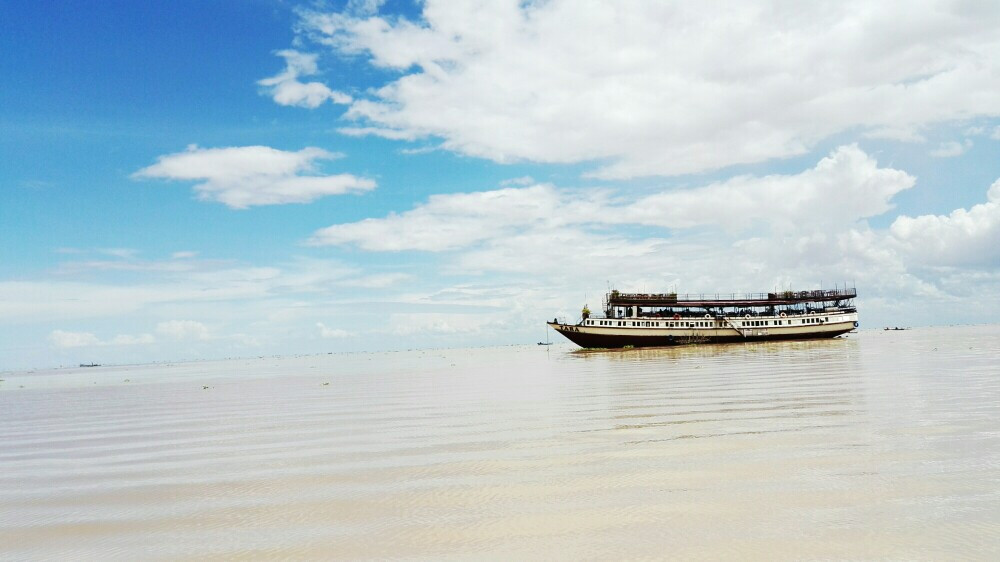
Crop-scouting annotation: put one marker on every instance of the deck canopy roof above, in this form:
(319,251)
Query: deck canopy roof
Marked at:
(616,298)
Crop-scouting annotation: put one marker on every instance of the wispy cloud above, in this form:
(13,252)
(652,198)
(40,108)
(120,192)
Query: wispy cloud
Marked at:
(286,89)
(951,149)
(523,180)
(66,339)
(332,333)
(245,176)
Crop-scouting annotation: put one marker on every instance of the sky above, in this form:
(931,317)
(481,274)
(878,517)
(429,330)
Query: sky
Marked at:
(195,180)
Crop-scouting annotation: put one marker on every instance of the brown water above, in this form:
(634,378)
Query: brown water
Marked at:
(881,445)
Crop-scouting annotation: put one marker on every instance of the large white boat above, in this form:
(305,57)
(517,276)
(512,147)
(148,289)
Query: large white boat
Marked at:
(651,320)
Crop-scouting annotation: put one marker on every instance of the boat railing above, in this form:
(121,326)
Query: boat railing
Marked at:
(616,298)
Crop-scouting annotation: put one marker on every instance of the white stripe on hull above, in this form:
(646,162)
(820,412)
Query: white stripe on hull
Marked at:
(730,329)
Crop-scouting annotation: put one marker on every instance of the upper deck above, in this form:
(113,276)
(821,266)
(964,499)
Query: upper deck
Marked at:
(615,298)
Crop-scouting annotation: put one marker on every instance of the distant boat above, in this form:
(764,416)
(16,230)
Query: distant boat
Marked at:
(897,328)
(650,320)
(90,364)
(544,343)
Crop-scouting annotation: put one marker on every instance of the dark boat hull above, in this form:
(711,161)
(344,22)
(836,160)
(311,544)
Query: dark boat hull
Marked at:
(590,339)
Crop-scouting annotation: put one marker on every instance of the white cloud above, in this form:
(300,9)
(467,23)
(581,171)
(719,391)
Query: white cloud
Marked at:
(995,135)
(667,88)
(332,333)
(363,7)
(183,330)
(382,132)
(377,281)
(448,222)
(240,177)
(843,187)
(61,338)
(65,339)
(123,253)
(905,134)
(962,238)
(286,89)
(523,180)
(846,186)
(951,149)
(183,255)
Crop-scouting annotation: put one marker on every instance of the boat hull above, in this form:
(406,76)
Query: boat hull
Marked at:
(594,337)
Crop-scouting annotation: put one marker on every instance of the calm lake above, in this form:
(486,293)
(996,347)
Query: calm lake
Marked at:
(880,445)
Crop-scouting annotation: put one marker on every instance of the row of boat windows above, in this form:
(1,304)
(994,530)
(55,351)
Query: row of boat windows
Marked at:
(704,324)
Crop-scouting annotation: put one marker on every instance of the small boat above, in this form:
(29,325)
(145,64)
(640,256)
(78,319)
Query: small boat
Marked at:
(665,319)
(90,364)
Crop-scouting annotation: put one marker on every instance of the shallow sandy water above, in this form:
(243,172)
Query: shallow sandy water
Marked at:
(881,445)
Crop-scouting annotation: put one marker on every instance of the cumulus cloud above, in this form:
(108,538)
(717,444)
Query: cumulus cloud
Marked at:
(183,330)
(65,339)
(656,88)
(965,237)
(245,176)
(845,186)
(286,89)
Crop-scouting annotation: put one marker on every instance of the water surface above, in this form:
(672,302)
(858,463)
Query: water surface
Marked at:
(880,445)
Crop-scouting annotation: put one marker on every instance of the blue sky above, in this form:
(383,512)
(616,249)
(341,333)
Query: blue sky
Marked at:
(192,180)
